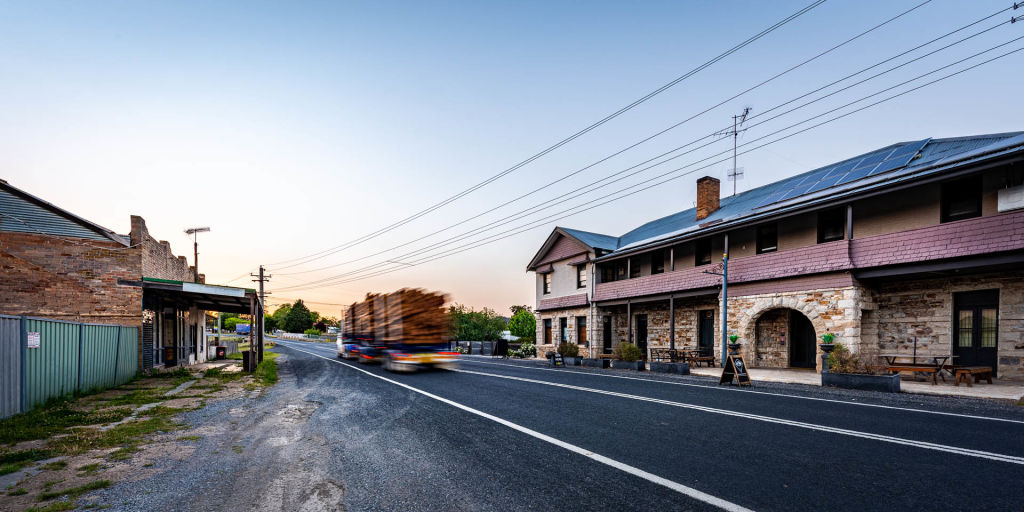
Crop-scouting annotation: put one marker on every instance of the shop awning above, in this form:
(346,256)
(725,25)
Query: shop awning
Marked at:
(227,299)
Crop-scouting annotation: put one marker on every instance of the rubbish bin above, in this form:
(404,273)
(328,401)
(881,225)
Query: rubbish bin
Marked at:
(169,357)
(246,362)
(222,352)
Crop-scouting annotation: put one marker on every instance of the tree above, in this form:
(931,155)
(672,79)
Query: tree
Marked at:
(298,318)
(269,323)
(517,308)
(229,324)
(523,324)
(320,326)
(468,324)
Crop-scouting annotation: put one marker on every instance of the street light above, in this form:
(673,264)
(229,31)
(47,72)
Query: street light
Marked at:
(195,244)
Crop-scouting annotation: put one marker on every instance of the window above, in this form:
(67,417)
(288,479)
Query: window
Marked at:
(657,262)
(547,283)
(620,270)
(581,276)
(831,225)
(961,199)
(767,238)
(634,268)
(607,272)
(703,252)
(547,331)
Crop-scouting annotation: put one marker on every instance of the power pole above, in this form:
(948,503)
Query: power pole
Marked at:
(261,278)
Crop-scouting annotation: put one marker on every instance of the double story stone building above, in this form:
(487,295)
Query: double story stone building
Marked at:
(917,246)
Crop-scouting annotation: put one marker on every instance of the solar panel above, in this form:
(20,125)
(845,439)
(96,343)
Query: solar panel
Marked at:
(842,169)
(798,190)
(854,175)
(814,176)
(871,161)
(825,183)
(901,157)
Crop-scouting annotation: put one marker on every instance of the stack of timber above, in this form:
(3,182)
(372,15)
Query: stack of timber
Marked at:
(408,316)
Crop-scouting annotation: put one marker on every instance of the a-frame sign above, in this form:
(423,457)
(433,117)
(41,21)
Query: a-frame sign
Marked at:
(735,368)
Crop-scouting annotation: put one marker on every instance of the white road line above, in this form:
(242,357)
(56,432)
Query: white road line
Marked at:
(650,477)
(719,388)
(810,426)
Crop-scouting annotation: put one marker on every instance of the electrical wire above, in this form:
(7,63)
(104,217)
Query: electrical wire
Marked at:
(543,222)
(555,146)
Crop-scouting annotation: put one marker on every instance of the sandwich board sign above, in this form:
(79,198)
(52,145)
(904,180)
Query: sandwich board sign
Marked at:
(558,360)
(735,368)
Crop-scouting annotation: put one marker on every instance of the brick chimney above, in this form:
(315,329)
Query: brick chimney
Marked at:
(707,196)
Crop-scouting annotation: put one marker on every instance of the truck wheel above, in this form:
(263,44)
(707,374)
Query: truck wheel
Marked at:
(388,365)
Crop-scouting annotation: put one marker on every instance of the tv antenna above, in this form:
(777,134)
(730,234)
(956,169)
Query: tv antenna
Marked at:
(736,173)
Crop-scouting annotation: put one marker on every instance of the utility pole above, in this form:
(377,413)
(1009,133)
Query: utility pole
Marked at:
(261,278)
(195,245)
(736,173)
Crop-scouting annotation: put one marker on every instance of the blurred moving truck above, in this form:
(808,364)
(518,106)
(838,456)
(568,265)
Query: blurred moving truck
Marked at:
(404,331)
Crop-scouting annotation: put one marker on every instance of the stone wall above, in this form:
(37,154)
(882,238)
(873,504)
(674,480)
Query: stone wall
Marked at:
(69,279)
(924,309)
(772,334)
(658,321)
(573,337)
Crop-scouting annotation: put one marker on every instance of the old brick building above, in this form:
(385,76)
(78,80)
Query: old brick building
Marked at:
(918,243)
(56,265)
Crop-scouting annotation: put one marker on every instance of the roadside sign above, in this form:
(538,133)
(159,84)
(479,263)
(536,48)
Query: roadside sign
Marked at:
(558,360)
(735,367)
(33,340)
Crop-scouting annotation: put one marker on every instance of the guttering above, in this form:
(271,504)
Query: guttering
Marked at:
(906,181)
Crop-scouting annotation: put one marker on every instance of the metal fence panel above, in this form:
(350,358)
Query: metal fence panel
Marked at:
(10,366)
(99,346)
(52,369)
(128,360)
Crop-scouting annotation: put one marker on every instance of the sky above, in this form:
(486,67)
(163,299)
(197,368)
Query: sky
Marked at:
(291,128)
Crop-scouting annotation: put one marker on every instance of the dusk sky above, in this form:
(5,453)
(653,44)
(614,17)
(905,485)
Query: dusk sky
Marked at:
(291,128)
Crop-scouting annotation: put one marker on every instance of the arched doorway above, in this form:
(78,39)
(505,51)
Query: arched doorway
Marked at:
(784,338)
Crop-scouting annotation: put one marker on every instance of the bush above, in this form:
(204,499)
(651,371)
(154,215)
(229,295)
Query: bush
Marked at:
(568,349)
(628,352)
(312,332)
(525,350)
(468,324)
(523,325)
(841,360)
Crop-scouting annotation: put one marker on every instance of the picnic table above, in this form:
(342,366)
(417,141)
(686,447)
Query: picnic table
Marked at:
(934,368)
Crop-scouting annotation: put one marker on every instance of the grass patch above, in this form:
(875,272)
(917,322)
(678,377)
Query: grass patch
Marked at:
(54,507)
(75,492)
(53,418)
(55,465)
(18,492)
(139,397)
(89,469)
(266,372)
(236,449)
(190,438)
(126,436)
(13,461)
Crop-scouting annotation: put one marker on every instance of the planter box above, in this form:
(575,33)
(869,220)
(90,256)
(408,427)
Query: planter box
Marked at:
(572,361)
(628,365)
(596,363)
(475,348)
(677,368)
(887,383)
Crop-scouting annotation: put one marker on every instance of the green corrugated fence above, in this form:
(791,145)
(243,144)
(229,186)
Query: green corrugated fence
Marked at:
(60,358)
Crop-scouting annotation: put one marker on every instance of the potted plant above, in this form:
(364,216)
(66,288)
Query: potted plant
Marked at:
(847,371)
(826,342)
(734,343)
(570,353)
(628,356)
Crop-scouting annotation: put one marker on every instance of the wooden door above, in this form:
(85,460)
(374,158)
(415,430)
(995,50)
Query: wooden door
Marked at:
(581,330)
(641,333)
(706,332)
(606,334)
(976,328)
(547,331)
(563,330)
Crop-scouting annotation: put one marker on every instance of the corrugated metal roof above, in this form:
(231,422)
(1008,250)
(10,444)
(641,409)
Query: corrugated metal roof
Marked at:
(870,170)
(595,240)
(25,213)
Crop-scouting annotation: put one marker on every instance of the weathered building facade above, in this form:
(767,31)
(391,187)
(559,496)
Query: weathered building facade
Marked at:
(56,265)
(918,244)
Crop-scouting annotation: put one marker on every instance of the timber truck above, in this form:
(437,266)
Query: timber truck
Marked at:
(403,331)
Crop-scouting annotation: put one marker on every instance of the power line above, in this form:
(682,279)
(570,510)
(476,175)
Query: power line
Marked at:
(635,144)
(573,194)
(543,222)
(555,146)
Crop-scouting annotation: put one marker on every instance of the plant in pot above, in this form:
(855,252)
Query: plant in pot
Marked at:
(846,370)
(570,353)
(734,343)
(628,356)
(826,342)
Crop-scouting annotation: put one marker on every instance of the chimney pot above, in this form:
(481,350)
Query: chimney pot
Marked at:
(707,196)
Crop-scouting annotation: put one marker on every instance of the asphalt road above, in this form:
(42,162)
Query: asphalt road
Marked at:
(498,435)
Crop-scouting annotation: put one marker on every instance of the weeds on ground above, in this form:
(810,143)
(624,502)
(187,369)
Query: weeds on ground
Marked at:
(75,492)
(13,461)
(53,418)
(266,372)
(17,492)
(190,438)
(89,469)
(55,465)
(139,397)
(59,506)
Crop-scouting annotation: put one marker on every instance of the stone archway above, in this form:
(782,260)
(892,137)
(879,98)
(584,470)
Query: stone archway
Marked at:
(766,329)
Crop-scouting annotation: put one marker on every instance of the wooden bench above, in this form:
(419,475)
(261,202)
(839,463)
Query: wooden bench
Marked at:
(964,373)
(933,370)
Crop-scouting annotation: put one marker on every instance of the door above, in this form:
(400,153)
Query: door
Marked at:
(581,330)
(563,330)
(706,332)
(975,328)
(606,335)
(801,347)
(547,331)
(641,333)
